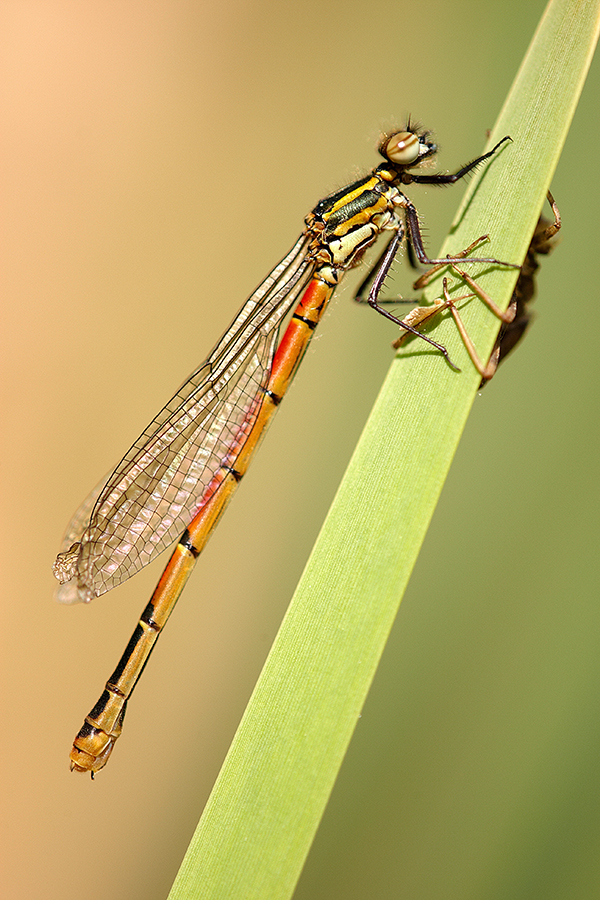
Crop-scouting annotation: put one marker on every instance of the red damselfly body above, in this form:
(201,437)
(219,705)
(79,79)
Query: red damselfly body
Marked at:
(175,481)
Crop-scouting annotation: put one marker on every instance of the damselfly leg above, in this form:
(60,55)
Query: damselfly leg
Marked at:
(515,319)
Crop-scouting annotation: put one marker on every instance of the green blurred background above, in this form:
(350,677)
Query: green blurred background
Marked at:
(158,159)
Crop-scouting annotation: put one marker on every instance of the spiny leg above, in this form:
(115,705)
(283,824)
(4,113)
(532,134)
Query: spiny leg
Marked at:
(378,281)
(416,239)
(428,276)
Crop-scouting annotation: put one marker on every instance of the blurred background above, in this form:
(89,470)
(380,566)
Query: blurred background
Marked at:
(158,159)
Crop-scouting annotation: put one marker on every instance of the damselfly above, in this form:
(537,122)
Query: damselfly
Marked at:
(517,317)
(178,477)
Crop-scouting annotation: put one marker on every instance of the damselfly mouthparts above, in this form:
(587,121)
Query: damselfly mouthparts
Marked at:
(178,477)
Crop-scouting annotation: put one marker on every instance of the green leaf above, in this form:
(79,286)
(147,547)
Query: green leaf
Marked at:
(269,798)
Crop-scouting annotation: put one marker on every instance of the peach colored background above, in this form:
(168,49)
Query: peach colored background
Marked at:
(158,158)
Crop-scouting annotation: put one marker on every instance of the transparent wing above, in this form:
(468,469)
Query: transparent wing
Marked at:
(157,488)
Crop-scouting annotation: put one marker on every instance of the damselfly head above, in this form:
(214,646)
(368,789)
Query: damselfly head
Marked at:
(406,148)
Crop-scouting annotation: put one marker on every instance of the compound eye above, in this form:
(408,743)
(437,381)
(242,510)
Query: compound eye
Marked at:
(402,148)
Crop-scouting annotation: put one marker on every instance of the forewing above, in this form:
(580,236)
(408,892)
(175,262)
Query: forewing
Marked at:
(158,486)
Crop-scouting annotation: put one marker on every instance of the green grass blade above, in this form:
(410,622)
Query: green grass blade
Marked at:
(267,803)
